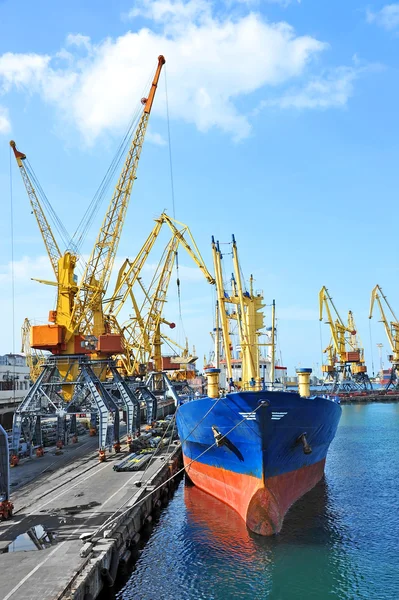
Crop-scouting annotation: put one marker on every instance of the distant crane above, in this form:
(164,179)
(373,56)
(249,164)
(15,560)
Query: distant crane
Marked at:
(345,369)
(391,330)
(35,359)
(77,334)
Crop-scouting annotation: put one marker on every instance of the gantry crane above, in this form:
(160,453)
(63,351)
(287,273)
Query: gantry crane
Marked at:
(392,332)
(345,369)
(77,335)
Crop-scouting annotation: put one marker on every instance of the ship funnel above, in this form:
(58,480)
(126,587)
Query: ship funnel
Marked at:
(304,382)
(213,382)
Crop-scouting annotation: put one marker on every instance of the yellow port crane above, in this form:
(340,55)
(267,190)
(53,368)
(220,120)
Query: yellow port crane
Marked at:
(391,329)
(79,307)
(142,332)
(345,369)
(77,333)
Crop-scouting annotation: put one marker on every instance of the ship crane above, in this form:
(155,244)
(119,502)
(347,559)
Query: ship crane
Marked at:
(247,312)
(392,332)
(77,335)
(345,370)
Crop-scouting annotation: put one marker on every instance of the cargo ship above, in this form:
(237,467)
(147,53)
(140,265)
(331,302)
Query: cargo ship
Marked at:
(255,447)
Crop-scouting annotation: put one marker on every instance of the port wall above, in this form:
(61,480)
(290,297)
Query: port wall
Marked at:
(106,554)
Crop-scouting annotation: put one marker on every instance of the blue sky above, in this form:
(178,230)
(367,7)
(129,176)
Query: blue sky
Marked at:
(284,129)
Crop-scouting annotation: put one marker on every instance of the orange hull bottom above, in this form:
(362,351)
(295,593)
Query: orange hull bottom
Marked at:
(262,506)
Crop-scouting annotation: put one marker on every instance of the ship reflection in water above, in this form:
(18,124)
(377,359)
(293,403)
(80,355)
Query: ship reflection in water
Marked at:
(273,562)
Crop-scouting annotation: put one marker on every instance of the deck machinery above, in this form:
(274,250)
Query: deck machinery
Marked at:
(82,346)
(345,370)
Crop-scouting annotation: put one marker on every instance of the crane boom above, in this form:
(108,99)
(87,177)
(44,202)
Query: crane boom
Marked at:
(142,331)
(52,248)
(337,327)
(392,328)
(98,270)
(151,335)
(192,251)
(129,273)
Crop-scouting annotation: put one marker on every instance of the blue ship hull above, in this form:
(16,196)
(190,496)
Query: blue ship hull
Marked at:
(257,451)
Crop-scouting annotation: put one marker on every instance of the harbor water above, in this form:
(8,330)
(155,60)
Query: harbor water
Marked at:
(340,540)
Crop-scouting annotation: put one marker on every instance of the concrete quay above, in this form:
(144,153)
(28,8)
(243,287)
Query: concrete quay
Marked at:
(85,517)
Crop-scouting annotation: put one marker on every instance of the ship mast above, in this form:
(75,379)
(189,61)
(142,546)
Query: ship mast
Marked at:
(273,344)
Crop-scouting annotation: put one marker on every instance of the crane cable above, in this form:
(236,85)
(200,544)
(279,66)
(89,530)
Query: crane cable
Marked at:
(12,276)
(113,518)
(95,204)
(172,188)
(58,224)
(91,211)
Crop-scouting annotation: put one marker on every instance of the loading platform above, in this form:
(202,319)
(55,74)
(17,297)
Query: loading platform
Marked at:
(76,520)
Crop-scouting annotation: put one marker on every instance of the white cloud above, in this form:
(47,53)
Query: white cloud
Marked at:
(5,125)
(27,268)
(79,40)
(22,70)
(155,138)
(213,59)
(283,3)
(332,89)
(387,17)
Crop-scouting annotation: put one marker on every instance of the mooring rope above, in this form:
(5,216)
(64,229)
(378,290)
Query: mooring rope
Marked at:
(111,519)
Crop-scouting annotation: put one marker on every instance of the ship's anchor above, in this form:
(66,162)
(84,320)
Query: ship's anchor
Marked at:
(305,446)
(219,437)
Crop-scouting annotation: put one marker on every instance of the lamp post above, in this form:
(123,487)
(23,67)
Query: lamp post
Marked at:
(380,347)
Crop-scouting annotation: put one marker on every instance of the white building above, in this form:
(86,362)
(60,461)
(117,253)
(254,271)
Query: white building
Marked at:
(14,385)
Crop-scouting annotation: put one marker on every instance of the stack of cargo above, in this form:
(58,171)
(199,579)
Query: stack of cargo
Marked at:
(146,445)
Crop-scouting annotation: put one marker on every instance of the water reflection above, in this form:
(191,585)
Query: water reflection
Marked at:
(35,538)
(277,569)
